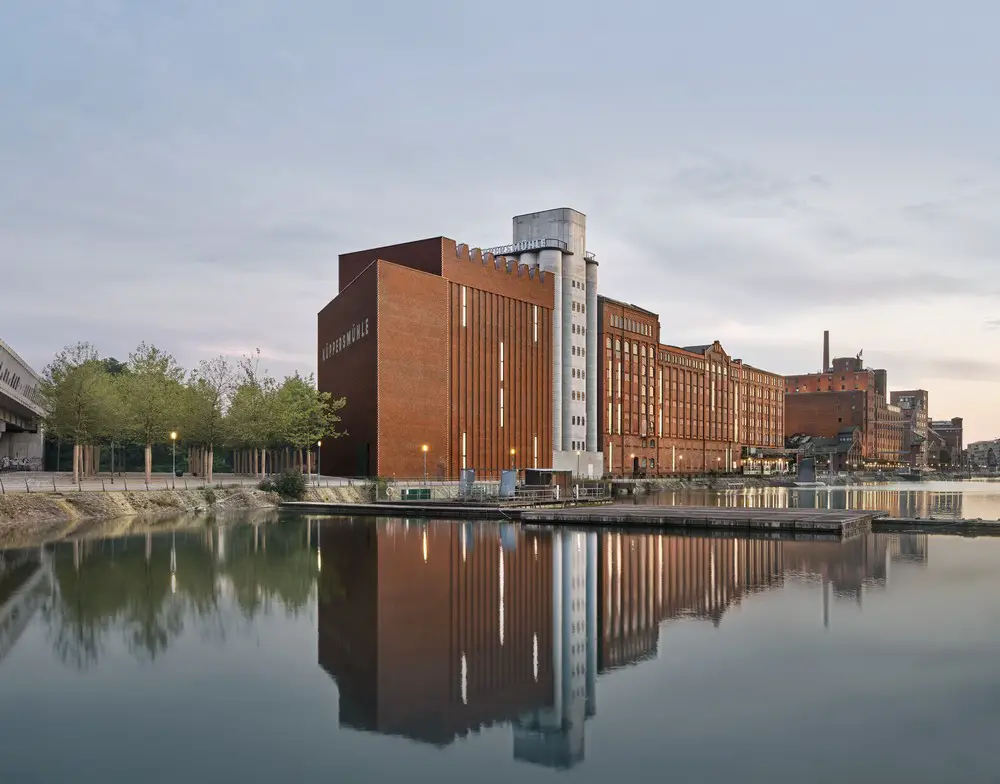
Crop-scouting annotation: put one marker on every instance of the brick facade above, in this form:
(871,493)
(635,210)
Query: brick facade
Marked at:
(848,395)
(664,409)
(914,405)
(454,352)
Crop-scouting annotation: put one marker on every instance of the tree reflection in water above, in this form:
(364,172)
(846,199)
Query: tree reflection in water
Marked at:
(148,590)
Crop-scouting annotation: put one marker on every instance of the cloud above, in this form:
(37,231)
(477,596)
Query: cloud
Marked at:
(189,177)
(938,367)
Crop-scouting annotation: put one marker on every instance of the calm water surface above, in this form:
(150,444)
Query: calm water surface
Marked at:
(334,650)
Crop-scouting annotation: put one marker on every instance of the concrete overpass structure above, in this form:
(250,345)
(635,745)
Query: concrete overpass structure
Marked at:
(20,412)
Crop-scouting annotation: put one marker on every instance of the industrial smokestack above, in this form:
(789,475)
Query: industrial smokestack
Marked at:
(826,351)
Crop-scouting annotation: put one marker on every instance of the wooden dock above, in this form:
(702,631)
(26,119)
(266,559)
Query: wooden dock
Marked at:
(822,522)
(793,521)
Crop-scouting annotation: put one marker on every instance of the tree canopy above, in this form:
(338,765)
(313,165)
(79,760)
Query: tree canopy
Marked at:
(92,401)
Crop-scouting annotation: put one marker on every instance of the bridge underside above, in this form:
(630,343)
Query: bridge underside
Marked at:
(21,445)
(14,422)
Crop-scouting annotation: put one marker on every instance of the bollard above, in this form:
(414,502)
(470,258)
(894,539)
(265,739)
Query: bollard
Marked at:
(3,490)
(147,484)
(103,488)
(185,483)
(27,489)
(125,480)
(53,484)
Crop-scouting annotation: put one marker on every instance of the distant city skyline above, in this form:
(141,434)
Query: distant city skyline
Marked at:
(187,174)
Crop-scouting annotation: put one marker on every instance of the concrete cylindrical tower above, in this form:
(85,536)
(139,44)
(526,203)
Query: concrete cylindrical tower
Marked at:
(569,364)
(593,353)
(550,261)
(531,259)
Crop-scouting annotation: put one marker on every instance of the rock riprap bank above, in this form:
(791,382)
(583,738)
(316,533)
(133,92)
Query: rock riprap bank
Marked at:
(30,518)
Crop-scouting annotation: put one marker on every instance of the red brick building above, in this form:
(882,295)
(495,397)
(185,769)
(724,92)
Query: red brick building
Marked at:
(437,345)
(914,405)
(665,409)
(949,443)
(848,394)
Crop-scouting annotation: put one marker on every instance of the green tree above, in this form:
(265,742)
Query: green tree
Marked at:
(253,420)
(152,398)
(77,394)
(305,415)
(208,394)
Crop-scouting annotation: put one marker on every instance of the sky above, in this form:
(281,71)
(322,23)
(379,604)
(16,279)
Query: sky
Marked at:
(186,173)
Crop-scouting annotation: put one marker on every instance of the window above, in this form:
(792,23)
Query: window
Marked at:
(534,441)
(607,342)
(463,450)
(534,318)
(463,306)
(501,361)
(501,406)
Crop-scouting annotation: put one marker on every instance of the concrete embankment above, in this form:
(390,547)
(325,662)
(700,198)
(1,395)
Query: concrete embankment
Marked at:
(28,519)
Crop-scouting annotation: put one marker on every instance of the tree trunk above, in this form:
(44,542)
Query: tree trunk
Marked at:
(97,459)
(149,463)
(309,461)
(210,461)
(76,463)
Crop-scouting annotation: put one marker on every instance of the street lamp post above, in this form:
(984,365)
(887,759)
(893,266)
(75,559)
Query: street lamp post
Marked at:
(319,461)
(173,457)
(512,453)
(578,462)
(424,448)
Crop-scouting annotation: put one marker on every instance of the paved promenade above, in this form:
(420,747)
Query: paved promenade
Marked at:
(45,481)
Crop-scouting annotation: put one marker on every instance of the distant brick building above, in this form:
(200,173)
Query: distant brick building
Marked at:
(847,394)
(665,409)
(437,345)
(913,405)
(948,449)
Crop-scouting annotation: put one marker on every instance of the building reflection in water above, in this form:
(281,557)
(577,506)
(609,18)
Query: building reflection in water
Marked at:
(435,630)
(553,736)
(25,584)
(898,502)
(646,579)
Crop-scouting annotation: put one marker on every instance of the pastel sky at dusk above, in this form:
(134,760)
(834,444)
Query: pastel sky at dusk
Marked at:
(186,172)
